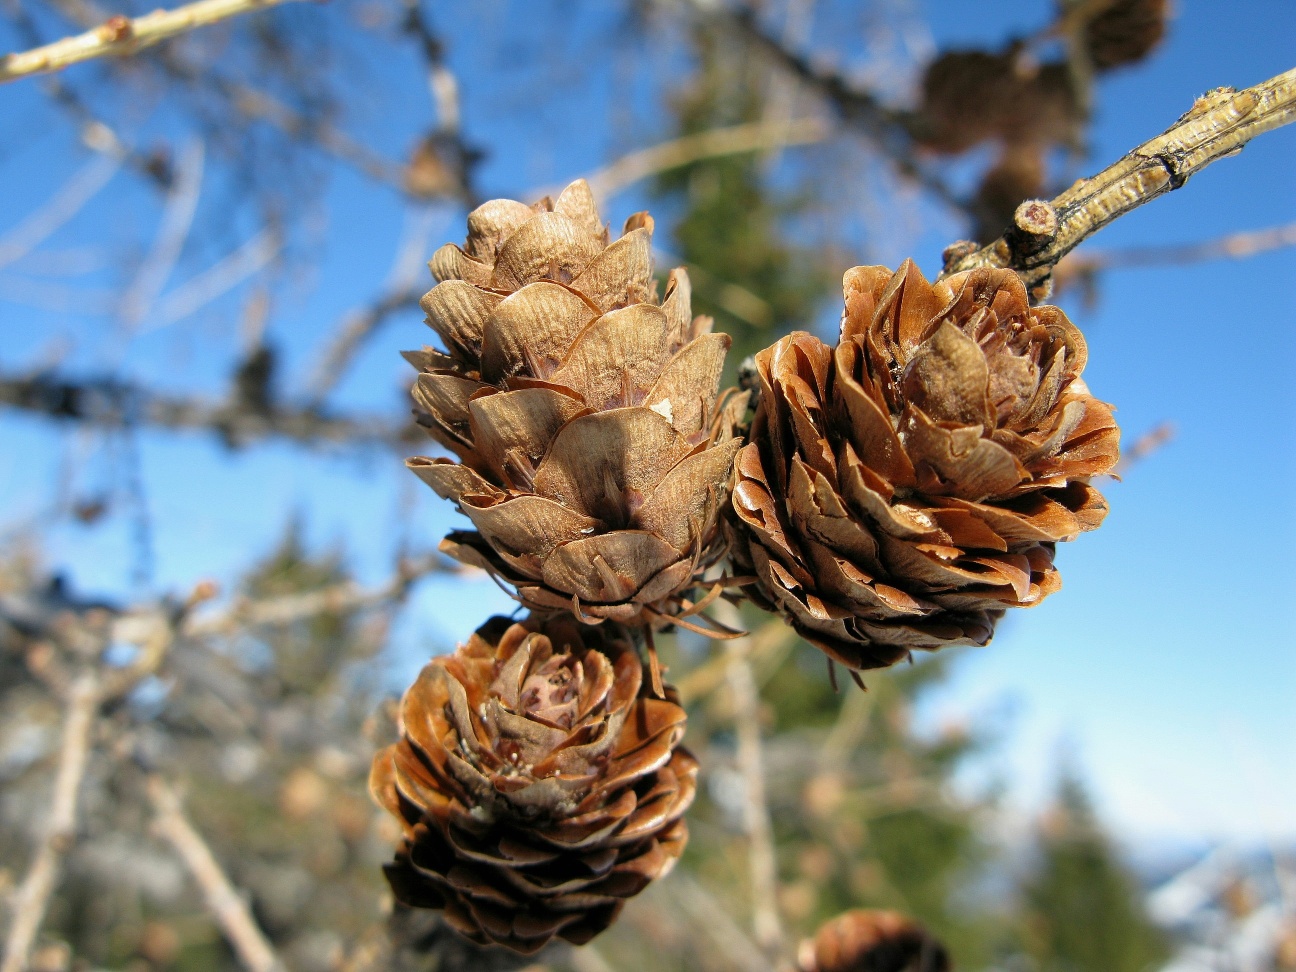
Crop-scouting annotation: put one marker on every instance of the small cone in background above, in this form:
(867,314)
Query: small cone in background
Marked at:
(972,96)
(593,445)
(537,782)
(873,941)
(904,489)
(1125,32)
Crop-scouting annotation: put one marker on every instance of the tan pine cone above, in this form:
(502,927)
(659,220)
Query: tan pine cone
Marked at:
(538,783)
(903,490)
(594,449)
(873,941)
(1125,32)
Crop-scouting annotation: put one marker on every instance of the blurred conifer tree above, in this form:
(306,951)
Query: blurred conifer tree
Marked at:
(1081,907)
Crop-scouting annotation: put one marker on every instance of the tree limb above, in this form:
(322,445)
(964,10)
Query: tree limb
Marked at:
(31,900)
(110,402)
(122,35)
(751,137)
(226,905)
(887,128)
(1218,125)
(762,862)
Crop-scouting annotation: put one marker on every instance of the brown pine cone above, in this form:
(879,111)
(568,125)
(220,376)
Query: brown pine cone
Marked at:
(972,96)
(1125,32)
(538,784)
(873,941)
(904,490)
(594,448)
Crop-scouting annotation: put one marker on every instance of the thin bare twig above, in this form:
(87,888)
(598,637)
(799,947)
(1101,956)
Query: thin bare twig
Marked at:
(337,598)
(121,36)
(1145,445)
(109,402)
(1233,246)
(65,204)
(762,862)
(887,128)
(226,905)
(751,137)
(701,907)
(1218,125)
(173,230)
(31,900)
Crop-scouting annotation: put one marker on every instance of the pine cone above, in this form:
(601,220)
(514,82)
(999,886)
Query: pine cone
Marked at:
(972,96)
(903,490)
(1125,32)
(873,941)
(538,785)
(594,450)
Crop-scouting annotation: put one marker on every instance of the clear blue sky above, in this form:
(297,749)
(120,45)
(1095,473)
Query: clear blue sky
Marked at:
(1167,666)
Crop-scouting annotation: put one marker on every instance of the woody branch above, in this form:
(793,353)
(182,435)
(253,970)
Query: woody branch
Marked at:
(1218,125)
(125,35)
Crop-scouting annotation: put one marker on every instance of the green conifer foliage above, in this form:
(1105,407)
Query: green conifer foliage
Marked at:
(748,271)
(1081,907)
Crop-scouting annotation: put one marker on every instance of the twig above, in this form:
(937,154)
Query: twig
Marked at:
(762,862)
(1234,246)
(405,285)
(888,128)
(226,905)
(339,598)
(125,35)
(751,137)
(221,277)
(1146,444)
(701,907)
(1218,125)
(65,204)
(31,900)
(109,402)
(173,230)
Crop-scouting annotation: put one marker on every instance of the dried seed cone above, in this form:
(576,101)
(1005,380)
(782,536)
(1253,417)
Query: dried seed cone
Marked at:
(972,96)
(538,784)
(593,447)
(903,490)
(1125,32)
(873,941)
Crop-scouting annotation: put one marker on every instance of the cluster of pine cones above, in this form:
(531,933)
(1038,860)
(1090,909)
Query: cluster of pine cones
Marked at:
(897,491)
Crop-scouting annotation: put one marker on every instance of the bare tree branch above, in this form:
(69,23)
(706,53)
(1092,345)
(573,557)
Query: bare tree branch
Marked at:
(751,137)
(887,128)
(31,900)
(1160,435)
(110,402)
(121,36)
(226,905)
(336,598)
(1233,246)
(762,863)
(1218,125)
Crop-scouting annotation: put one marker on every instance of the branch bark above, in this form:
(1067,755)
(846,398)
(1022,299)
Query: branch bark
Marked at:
(751,137)
(121,36)
(110,402)
(1218,125)
(226,905)
(31,900)
(762,862)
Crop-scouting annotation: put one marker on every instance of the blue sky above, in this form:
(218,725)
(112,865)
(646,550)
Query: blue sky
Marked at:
(1166,667)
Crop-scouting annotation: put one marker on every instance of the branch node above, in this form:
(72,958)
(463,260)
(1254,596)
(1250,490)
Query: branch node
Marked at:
(1037,218)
